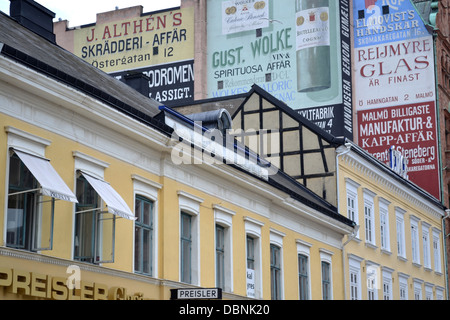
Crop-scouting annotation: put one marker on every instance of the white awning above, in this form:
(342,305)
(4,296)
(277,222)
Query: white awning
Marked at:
(113,200)
(52,184)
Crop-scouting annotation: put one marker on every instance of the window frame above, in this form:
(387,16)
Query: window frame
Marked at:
(99,220)
(437,250)
(220,256)
(143,227)
(148,189)
(253,230)
(190,205)
(369,216)
(26,192)
(385,241)
(352,194)
(303,249)
(400,233)
(224,218)
(426,245)
(275,272)
(415,240)
(326,281)
(185,240)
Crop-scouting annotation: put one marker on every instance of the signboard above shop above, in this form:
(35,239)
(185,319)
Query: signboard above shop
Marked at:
(196,294)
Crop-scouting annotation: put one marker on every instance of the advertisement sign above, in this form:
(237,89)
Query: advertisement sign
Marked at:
(298,51)
(168,83)
(395,87)
(250,283)
(160,44)
(244,15)
(411,129)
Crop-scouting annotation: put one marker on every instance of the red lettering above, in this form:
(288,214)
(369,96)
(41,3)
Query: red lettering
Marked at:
(126,25)
(177,19)
(149,24)
(106,32)
(136,26)
(92,35)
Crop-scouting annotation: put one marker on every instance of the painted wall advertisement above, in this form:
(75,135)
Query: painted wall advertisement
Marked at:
(298,51)
(395,87)
(159,44)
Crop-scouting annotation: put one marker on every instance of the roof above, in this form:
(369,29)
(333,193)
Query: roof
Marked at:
(40,54)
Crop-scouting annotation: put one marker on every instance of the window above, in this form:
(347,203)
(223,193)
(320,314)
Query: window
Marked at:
(326,267)
(220,257)
(436,250)
(418,289)
(186,247)
(189,258)
(403,285)
(369,218)
(428,291)
(146,225)
(303,255)
(354,265)
(384,225)
(400,230)
(352,201)
(21,205)
(303,277)
(387,283)
(276,264)
(439,293)
(386,291)
(426,245)
(326,281)
(275,272)
(33,186)
(372,281)
(95,214)
(254,274)
(224,247)
(143,236)
(415,240)
(250,253)
(86,221)
(354,292)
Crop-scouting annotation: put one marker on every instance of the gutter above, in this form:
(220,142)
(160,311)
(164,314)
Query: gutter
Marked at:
(445,236)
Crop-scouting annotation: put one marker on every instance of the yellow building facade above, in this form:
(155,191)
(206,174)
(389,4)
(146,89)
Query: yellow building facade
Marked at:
(398,252)
(93,206)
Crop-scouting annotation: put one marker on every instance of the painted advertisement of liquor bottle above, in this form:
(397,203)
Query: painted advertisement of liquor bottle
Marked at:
(313,45)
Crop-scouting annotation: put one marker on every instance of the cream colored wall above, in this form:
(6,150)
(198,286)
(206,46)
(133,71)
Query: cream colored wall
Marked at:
(367,179)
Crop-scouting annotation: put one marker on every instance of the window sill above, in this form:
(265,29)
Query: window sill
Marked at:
(371,245)
(402,258)
(386,252)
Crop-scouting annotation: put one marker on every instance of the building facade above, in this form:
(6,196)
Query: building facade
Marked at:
(398,251)
(96,204)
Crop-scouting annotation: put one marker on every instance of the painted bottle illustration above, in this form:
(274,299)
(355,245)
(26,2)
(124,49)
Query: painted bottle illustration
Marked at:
(313,45)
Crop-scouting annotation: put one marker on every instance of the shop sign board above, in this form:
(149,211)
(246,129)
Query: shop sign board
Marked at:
(395,94)
(297,51)
(195,293)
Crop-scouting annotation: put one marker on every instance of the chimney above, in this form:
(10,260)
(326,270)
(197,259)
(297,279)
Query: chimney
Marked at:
(138,81)
(34,17)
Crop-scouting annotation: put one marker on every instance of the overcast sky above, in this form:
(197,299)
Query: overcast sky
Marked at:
(80,12)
